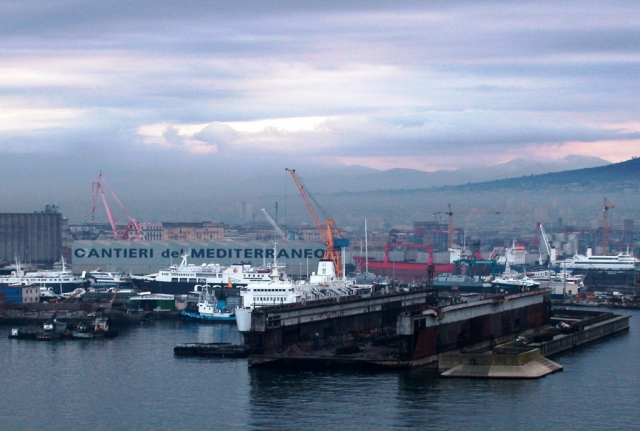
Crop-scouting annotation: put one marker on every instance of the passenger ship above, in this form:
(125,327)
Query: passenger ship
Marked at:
(105,279)
(620,262)
(60,280)
(281,290)
(186,277)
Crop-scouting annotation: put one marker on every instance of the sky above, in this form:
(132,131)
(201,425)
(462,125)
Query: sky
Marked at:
(412,84)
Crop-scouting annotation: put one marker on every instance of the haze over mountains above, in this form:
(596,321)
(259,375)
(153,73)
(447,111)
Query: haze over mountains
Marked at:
(348,193)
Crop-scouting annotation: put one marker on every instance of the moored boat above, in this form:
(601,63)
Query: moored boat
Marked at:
(183,278)
(210,308)
(60,280)
(105,279)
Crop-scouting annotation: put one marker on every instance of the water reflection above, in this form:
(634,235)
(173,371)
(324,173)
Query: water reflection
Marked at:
(336,400)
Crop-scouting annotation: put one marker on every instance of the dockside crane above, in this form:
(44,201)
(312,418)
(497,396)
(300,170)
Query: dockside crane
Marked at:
(605,226)
(449,213)
(275,225)
(132,231)
(330,234)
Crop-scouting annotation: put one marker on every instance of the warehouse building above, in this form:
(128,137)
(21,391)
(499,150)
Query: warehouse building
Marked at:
(35,238)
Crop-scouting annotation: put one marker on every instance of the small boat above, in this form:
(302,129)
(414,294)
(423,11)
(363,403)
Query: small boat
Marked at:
(210,308)
(98,328)
(23,334)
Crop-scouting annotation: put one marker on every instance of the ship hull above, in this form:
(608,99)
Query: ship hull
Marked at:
(593,277)
(178,288)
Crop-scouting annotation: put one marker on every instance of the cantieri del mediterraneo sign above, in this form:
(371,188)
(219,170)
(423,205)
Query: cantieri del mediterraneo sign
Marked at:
(86,252)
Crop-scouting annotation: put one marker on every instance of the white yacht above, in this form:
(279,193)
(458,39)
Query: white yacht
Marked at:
(513,282)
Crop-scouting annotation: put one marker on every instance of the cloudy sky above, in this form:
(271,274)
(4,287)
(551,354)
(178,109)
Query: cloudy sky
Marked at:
(425,85)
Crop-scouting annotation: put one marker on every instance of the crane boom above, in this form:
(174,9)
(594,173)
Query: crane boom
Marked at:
(327,234)
(307,202)
(133,230)
(275,225)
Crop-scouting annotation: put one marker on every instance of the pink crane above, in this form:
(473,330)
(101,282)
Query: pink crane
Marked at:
(132,231)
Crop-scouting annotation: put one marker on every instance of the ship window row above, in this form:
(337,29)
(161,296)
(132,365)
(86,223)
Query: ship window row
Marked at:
(268,299)
(270,290)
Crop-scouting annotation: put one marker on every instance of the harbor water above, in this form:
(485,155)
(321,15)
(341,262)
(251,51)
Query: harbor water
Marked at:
(134,382)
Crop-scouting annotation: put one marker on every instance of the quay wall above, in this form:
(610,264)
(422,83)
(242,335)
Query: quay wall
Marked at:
(587,334)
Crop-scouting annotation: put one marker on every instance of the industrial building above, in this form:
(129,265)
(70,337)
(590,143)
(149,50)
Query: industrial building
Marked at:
(35,238)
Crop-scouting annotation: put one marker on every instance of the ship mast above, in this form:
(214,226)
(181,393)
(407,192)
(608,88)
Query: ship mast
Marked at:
(605,226)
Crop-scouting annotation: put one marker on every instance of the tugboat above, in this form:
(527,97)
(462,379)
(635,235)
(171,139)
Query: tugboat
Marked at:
(210,308)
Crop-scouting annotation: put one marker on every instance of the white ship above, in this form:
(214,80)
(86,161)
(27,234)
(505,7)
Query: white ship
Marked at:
(60,280)
(512,282)
(562,284)
(188,277)
(281,290)
(620,262)
(106,279)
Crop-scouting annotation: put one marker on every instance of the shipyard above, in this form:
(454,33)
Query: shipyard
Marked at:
(316,301)
(264,301)
(254,216)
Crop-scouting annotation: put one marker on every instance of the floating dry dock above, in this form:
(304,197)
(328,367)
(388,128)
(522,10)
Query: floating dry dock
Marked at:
(406,330)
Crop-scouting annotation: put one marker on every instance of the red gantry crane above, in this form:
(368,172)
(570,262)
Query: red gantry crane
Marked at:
(331,236)
(132,231)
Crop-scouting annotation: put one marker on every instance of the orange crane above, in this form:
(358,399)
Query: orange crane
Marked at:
(109,305)
(330,234)
(132,231)
(68,298)
(605,226)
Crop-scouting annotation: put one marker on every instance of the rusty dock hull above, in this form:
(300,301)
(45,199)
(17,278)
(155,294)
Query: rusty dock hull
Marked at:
(390,331)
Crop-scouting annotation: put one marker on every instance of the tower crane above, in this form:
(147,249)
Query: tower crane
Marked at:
(132,231)
(449,213)
(605,226)
(330,234)
(275,225)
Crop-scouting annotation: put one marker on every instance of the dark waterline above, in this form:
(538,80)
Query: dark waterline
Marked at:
(135,382)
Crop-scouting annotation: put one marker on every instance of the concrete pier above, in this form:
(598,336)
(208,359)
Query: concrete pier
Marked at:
(526,364)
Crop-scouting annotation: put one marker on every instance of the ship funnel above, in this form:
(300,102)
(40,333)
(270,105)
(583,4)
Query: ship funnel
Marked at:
(554,254)
(589,252)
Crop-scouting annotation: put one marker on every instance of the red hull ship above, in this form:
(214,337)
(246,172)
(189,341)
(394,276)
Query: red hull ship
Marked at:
(405,272)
